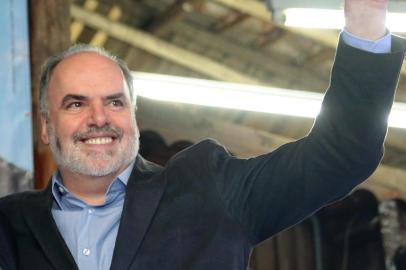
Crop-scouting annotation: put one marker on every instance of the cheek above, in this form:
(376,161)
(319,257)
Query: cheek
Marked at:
(131,129)
(64,133)
(126,122)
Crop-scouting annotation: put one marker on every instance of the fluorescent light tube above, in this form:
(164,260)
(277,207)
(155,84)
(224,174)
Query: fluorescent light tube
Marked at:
(334,19)
(238,96)
(314,18)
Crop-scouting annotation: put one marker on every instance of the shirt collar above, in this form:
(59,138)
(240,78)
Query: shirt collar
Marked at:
(60,192)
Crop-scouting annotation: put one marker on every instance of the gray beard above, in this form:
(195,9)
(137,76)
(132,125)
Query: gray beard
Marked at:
(76,161)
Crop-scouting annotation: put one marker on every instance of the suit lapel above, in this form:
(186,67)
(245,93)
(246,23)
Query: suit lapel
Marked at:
(39,218)
(144,191)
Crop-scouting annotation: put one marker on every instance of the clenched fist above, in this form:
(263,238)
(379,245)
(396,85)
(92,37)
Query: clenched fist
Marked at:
(366,18)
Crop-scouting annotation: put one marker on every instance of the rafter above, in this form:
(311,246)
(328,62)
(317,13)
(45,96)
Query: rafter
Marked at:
(161,48)
(76,28)
(254,8)
(158,22)
(258,9)
(272,62)
(100,37)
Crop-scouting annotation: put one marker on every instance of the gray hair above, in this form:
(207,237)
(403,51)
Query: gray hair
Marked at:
(53,61)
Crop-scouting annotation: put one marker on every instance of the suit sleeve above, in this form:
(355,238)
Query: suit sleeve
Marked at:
(269,193)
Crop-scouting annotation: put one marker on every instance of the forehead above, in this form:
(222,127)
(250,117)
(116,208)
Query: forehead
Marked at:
(86,72)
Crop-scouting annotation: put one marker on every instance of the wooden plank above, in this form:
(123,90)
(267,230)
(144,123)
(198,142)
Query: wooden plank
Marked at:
(271,62)
(161,48)
(76,27)
(186,122)
(326,37)
(258,9)
(252,7)
(49,34)
(228,21)
(100,37)
(160,21)
(158,25)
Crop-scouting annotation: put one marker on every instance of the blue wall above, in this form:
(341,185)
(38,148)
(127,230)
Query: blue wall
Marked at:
(15,89)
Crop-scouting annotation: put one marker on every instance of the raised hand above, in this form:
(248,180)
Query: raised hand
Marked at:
(366,18)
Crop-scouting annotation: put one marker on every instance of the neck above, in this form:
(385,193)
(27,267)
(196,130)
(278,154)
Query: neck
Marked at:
(90,189)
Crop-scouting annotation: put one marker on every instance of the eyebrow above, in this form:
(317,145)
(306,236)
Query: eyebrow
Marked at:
(69,97)
(72,96)
(115,96)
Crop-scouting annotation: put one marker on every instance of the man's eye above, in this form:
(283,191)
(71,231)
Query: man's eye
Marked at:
(74,105)
(117,103)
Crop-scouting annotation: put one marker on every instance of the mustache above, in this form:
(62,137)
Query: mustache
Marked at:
(94,131)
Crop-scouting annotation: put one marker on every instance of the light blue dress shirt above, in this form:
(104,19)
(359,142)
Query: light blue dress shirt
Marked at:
(90,232)
(382,45)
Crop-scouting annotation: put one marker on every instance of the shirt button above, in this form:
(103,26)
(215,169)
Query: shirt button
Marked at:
(91,210)
(61,190)
(86,251)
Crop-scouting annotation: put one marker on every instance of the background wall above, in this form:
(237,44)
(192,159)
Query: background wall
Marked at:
(15,98)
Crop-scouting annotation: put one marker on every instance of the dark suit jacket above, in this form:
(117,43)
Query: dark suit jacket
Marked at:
(7,246)
(207,209)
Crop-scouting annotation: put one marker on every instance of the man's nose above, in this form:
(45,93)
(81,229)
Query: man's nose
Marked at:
(98,115)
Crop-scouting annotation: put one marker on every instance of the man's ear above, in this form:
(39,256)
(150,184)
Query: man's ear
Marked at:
(44,128)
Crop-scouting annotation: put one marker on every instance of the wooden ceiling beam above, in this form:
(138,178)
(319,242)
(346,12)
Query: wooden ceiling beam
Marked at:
(328,38)
(76,28)
(271,62)
(100,37)
(251,7)
(161,48)
(258,10)
(228,21)
(158,24)
(161,20)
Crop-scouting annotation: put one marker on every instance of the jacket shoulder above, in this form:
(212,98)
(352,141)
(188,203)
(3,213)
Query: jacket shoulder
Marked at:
(204,146)
(207,149)
(15,201)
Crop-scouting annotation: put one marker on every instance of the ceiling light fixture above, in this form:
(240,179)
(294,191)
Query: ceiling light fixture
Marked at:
(333,19)
(327,14)
(239,96)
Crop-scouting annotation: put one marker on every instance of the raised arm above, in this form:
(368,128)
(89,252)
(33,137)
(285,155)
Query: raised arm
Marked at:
(267,194)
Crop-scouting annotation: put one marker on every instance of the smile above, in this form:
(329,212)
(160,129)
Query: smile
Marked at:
(100,140)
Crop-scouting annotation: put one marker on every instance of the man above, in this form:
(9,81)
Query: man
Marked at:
(106,207)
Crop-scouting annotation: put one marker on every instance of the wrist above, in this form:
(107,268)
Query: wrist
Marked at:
(370,32)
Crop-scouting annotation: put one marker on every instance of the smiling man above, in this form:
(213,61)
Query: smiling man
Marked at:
(108,208)
(88,120)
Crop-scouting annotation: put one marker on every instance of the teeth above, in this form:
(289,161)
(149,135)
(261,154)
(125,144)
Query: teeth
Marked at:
(102,140)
